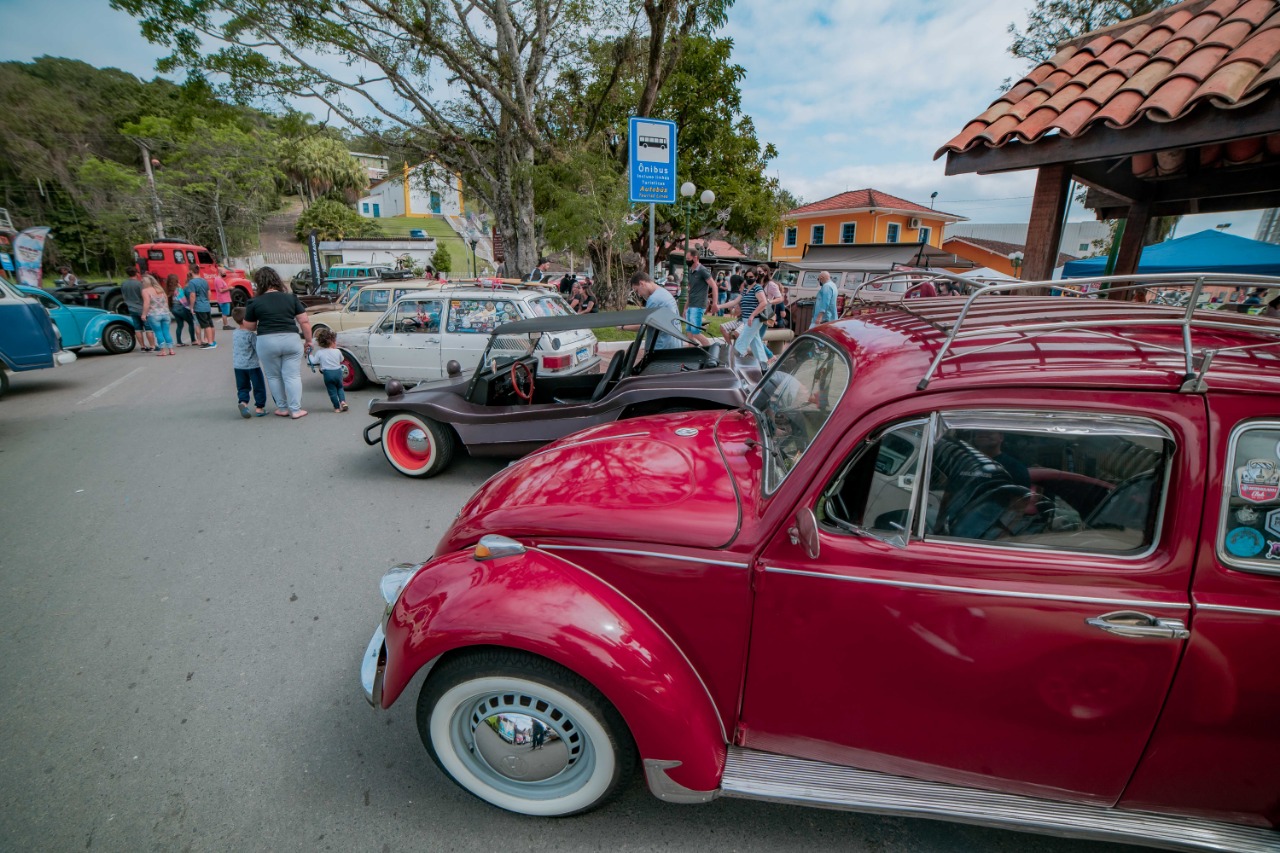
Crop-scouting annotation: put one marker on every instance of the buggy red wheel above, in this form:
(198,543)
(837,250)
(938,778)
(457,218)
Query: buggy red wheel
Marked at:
(415,446)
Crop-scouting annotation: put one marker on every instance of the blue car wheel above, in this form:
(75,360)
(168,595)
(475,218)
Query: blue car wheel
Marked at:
(118,338)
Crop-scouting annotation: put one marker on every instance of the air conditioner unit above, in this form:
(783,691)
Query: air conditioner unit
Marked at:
(915,223)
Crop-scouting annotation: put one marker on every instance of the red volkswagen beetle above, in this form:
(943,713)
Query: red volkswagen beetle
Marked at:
(1008,560)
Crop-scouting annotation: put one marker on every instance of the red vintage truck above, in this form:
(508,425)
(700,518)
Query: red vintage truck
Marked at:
(160,258)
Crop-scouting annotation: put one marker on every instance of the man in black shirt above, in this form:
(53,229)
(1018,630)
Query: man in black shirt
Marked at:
(566,284)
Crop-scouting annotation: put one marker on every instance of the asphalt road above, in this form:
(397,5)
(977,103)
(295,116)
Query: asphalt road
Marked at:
(187,596)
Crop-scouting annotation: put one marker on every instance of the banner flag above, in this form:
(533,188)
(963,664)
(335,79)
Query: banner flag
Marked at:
(29,248)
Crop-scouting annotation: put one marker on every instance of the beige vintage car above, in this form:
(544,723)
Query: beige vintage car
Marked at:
(362,307)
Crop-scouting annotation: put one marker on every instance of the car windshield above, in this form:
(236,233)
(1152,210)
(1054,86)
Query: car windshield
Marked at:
(550,306)
(795,400)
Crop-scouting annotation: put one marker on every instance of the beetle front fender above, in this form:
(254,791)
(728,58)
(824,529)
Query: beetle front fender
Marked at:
(94,328)
(548,606)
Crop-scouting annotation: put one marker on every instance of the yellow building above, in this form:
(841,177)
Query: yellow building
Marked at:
(858,216)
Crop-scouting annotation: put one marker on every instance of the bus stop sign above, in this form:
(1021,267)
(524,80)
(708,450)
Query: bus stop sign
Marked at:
(652,160)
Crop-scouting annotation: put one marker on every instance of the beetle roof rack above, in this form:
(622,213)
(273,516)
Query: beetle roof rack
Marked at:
(1131,302)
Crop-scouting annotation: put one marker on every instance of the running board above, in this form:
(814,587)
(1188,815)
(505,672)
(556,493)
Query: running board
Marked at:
(754,775)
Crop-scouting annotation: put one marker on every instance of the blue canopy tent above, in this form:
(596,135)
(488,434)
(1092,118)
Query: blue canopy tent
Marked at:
(1206,251)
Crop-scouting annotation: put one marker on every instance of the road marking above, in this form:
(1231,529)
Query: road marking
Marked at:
(96,394)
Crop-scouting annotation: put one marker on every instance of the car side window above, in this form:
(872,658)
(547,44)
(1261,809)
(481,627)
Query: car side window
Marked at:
(1047,480)
(155,254)
(479,316)
(205,258)
(371,300)
(875,492)
(418,316)
(177,256)
(1249,528)
(49,302)
(191,257)
(1059,481)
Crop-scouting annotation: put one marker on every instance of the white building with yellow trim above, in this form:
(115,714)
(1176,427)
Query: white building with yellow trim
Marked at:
(425,190)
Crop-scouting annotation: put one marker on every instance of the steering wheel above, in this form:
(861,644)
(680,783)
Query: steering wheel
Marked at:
(516,369)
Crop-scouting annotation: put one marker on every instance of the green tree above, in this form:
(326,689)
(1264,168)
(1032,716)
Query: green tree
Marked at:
(1052,22)
(335,221)
(441,259)
(318,164)
(490,121)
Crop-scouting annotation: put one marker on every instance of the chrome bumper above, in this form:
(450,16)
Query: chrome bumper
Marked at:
(373,666)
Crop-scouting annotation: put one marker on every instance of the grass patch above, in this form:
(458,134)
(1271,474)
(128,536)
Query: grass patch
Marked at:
(459,250)
(615,334)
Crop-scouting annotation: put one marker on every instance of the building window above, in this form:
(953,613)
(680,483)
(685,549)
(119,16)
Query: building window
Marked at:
(364,207)
(1084,247)
(789,236)
(847,232)
(924,235)
(891,232)
(818,234)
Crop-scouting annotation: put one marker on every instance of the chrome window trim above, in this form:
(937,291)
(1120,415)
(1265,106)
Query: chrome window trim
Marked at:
(998,593)
(835,407)
(1228,608)
(1161,431)
(680,558)
(1229,468)
(1056,422)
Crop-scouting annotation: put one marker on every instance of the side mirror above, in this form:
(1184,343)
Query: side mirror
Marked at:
(805,532)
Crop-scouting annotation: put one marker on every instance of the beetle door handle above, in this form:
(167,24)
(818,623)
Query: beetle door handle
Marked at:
(1131,623)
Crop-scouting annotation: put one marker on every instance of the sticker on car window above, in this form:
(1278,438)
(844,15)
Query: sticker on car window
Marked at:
(479,316)
(1244,542)
(1258,481)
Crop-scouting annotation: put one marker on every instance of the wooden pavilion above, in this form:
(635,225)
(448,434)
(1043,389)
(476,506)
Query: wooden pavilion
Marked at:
(1175,112)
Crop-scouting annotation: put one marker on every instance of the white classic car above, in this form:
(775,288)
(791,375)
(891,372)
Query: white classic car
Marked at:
(417,337)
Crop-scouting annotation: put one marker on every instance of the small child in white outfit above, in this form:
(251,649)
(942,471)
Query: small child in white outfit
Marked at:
(328,358)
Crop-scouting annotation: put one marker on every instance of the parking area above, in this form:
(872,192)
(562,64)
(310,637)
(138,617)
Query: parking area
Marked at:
(188,595)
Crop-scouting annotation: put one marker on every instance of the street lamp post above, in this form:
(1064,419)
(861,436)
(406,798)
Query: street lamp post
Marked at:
(473,256)
(1015,258)
(687,189)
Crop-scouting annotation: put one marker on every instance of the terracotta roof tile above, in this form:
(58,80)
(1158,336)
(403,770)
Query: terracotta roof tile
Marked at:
(1240,151)
(1154,40)
(867,198)
(1035,123)
(1103,88)
(1134,34)
(1064,96)
(1272,144)
(1040,72)
(1144,165)
(1230,35)
(1200,26)
(1200,63)
(1254,12)
(1160,67)
(1118,50)
(1260,50)
(1176,49)
(1210,154)
(1227,85)
(1149,77)
(1170,100)
(1026,106)
(1073,119)
(1122,110)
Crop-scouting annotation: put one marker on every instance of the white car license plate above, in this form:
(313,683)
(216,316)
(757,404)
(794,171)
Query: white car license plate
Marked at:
(581,356)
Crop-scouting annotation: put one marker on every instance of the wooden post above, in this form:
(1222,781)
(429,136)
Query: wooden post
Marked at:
(1044,231)
(1131,244)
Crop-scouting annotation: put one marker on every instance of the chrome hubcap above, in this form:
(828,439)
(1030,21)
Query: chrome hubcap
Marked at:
(523,739)
(417,442)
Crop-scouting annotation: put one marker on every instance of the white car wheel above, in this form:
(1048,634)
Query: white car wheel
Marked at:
(416,446)
(524,734)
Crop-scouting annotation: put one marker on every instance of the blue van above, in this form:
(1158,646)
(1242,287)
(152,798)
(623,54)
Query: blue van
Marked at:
(28,338)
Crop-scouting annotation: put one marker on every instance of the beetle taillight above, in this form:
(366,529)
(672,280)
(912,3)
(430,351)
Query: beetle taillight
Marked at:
(556,362)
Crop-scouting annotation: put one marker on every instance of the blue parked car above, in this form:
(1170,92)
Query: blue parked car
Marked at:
(86,327)
(28,338)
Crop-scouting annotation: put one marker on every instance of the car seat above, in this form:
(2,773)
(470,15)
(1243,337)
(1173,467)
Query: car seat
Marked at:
(980,497)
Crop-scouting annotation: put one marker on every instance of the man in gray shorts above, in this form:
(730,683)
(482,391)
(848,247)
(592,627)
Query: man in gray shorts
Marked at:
(199,290)
(131,290)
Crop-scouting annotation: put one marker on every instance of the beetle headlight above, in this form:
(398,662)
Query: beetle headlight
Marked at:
(395,580)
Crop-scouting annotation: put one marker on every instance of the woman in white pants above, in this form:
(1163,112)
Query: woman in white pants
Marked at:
(278,317)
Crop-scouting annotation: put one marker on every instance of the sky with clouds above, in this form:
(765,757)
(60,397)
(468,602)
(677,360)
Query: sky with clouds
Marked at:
(853,93)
